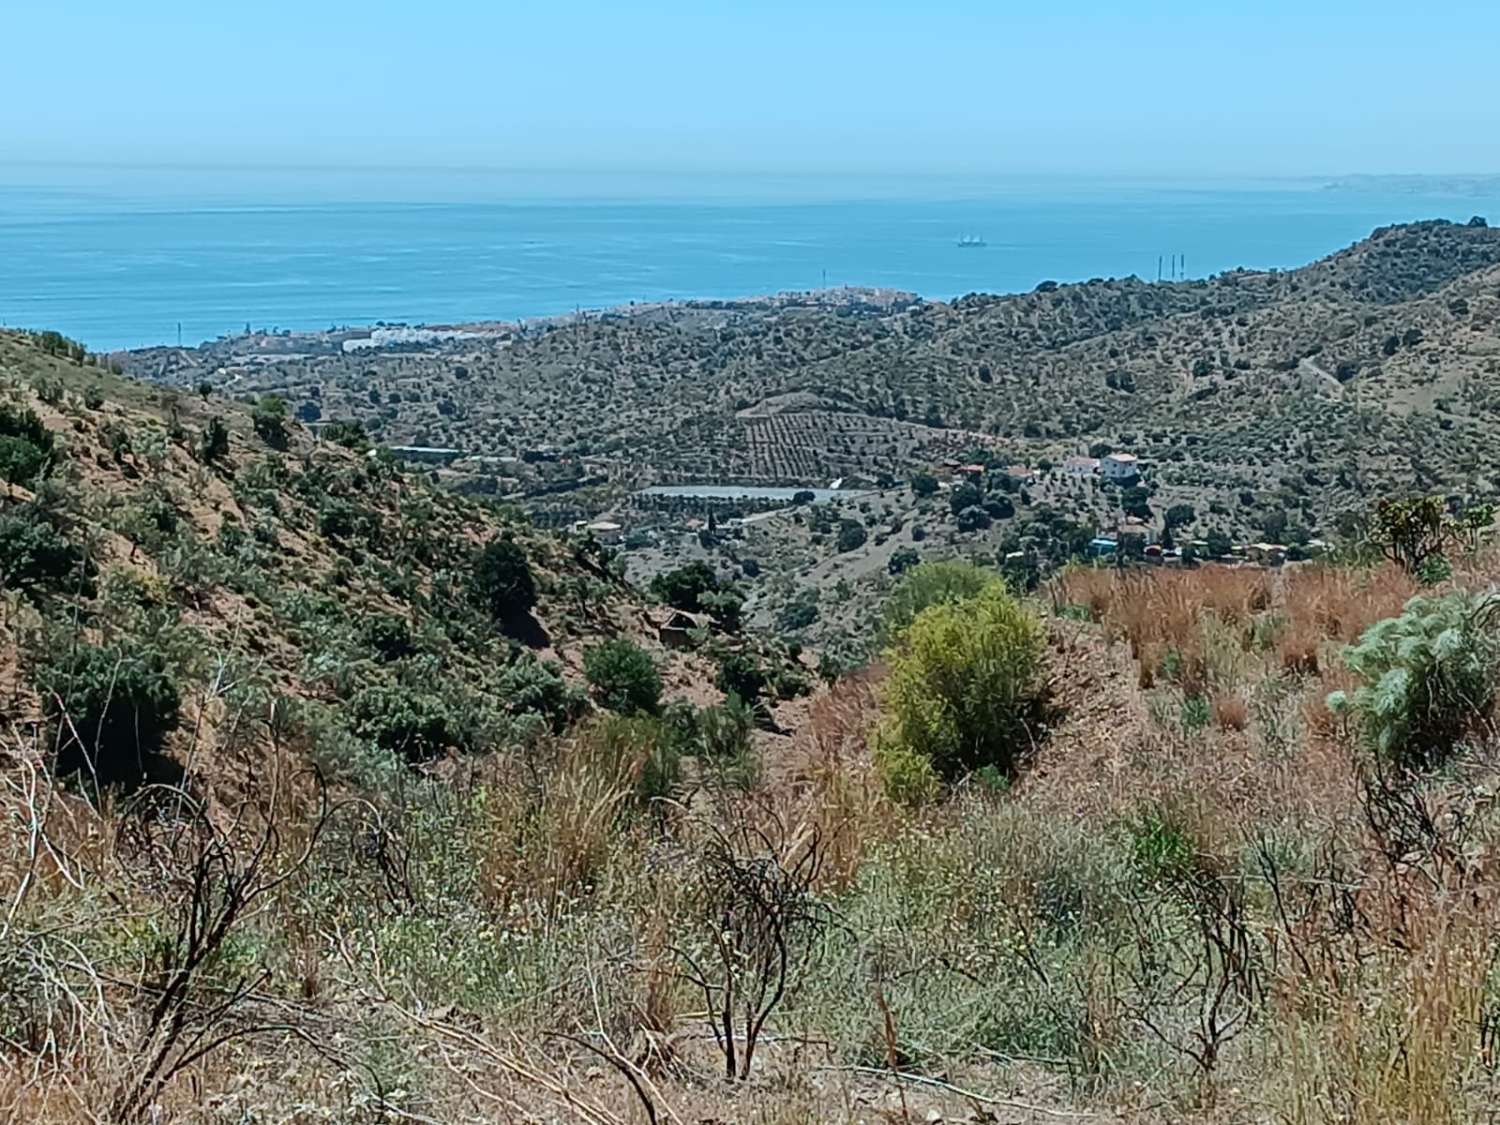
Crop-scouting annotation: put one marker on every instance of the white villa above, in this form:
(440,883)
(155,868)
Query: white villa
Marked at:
(1120,467)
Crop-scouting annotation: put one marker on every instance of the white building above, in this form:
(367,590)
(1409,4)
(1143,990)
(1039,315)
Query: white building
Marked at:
(606,531)
(1080,466)
(1120,466)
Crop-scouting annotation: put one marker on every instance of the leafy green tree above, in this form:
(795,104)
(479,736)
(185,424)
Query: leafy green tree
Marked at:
(972,519)
(684,587)
(924,484)
(902,560)
(726,605)
(1136,501)
(963,689)
(623,676)
(1218,543)
(351,435)
(1000,507)
(502,580)
(966,495)
(1410,531)
(1180,515)
(800,612)
(852,536)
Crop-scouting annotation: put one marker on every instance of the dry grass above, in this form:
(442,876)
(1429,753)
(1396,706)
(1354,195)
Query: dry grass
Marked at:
(538,973)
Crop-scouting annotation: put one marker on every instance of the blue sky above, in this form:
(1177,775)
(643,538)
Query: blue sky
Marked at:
(950,87)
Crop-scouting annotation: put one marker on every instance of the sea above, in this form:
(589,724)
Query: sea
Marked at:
(122,258)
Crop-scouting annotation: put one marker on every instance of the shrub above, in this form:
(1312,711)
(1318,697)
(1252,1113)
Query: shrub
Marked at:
(118,702)
(799,613)
(906,775)
(269,419)
(1410,532)
(351,435)
(727,607)
(33,553)
(387,635)
(641,750)
(902,560)
(26,446)
(964,685)
(928,584)
(852,536)
(502,580)
(406,721)
(528,686)
(1162,846)
(972,519)
(1427,677)
(684,587)
(924,484)
(740,674)
(966,495)
(215,442)
(623,676)
(724,741)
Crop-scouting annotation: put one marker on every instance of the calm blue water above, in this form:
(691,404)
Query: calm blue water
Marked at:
(120,261)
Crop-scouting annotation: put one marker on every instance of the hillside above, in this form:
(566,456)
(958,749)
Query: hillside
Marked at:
(283,572)
(1267,406)
(1342,368)
(1111,853)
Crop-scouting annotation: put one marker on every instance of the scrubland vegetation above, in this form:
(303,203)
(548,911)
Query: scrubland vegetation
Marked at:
(330,796)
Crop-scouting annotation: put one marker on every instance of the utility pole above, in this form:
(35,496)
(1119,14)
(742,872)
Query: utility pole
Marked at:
(1158,267)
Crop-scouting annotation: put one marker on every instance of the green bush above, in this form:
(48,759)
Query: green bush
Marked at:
(623,676)
(269,419)
(684,587)
(114,705)
(902,560)
(351,435)
(26,446)
(966,495)
(740,674)
(530,687)
(388,636)
(214,444)
(724,742)
(406,721)
(929,584)
(852,536)
(800,612)
(502,580)
(1428,677)
(34,554)
(641,749)
(906,775)
(964,685)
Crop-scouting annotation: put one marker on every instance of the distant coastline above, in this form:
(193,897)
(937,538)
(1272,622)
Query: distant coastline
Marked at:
(154,270)
(1476,186)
